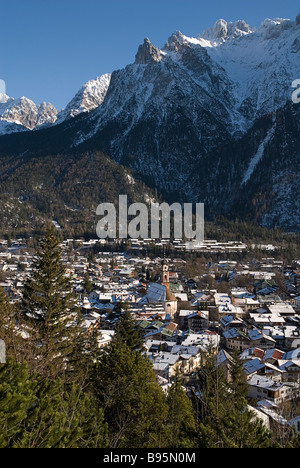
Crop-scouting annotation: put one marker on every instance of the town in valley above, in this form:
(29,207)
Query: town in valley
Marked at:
(185,303)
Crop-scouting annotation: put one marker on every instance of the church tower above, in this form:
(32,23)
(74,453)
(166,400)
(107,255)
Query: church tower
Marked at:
(165,277)
(170,299)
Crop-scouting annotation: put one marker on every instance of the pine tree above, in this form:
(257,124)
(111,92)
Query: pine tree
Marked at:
(16,396)
(225,420)
(127,330)
(181,418)
(87,284)
(243,429)
(12,332)
(48,307)
(82,362)
(38,413)
(8,332)
(64,417)
(133,403)
(214,403)
(237,383)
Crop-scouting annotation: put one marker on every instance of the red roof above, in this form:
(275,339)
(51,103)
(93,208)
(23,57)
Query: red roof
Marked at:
(259,353)
(277,354)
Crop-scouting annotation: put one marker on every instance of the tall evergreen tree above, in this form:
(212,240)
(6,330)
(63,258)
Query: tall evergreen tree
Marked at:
(127,330)
(225,420)
(48,307)
(38,413)
(133,403)
(181,417)
(242,428)
(87,284)
(8,331)
(16,396)
(213,405)
(82,362)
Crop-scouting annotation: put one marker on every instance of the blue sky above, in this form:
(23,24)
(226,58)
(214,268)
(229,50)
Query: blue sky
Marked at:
(50,48)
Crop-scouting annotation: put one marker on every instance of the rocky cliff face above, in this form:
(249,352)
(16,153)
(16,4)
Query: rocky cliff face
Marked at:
(170,109)
(163,113)
(147,53)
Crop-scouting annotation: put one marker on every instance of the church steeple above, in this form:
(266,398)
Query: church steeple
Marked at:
(170,299)
(165,277)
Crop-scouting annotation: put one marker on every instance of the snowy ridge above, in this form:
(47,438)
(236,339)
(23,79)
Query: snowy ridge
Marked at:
(23,114)
(248,70)
(261,63)
(7,128)
(88,98)
(222,31)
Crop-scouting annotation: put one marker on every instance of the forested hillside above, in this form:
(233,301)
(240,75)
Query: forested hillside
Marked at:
(66,188)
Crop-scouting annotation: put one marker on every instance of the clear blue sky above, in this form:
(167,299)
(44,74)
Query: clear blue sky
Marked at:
(50,48)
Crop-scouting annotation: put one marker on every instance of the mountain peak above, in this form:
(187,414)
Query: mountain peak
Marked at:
(222,30)
(25,113)
(147,53)
(175,41)
(88,98)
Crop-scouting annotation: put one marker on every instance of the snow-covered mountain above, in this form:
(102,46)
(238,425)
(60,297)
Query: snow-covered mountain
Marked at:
(23,114)
(88,98)
(261,63)
(173,106)
(248,71)
(207,118)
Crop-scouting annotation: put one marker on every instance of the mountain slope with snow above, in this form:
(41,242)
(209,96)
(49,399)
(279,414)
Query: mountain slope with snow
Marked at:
(23,114)
(17,115)
(250,72)
(207,119)
(173,106)
(88,98)
(262,63)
